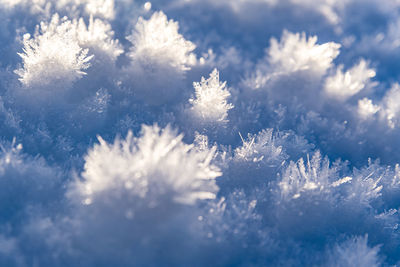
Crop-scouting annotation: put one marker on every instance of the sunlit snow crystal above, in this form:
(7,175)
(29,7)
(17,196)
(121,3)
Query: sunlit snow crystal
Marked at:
(152,198)
(97,36)
(53,57)
(57,54)
(103,8)
(295,52)
(210,103)
(345,85)
(158,40)
(160,58)
(260,147)
(157,164)
(300,177)
(366,185)
(355,252)
(366,108)
(391,106)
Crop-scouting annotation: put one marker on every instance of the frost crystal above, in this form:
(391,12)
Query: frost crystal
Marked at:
(154,166)
(295,52)
(391,106)
(57,55)
(152,197)
(300,178)
(260,147)
(53,57)
(160,58)
(158,40)
(345,85)
(103,8)
(366,108)
(366,185)
(355,252)
(97,37)
(210,103)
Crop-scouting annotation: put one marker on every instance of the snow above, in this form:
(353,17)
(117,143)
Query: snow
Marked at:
(199,133)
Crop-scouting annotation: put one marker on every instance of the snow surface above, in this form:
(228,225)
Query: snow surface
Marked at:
(199,133)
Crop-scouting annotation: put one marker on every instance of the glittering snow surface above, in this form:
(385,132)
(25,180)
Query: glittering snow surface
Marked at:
(199,133)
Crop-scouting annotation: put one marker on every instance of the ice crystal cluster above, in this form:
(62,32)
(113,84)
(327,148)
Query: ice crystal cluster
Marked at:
(210,103)
(199,133)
